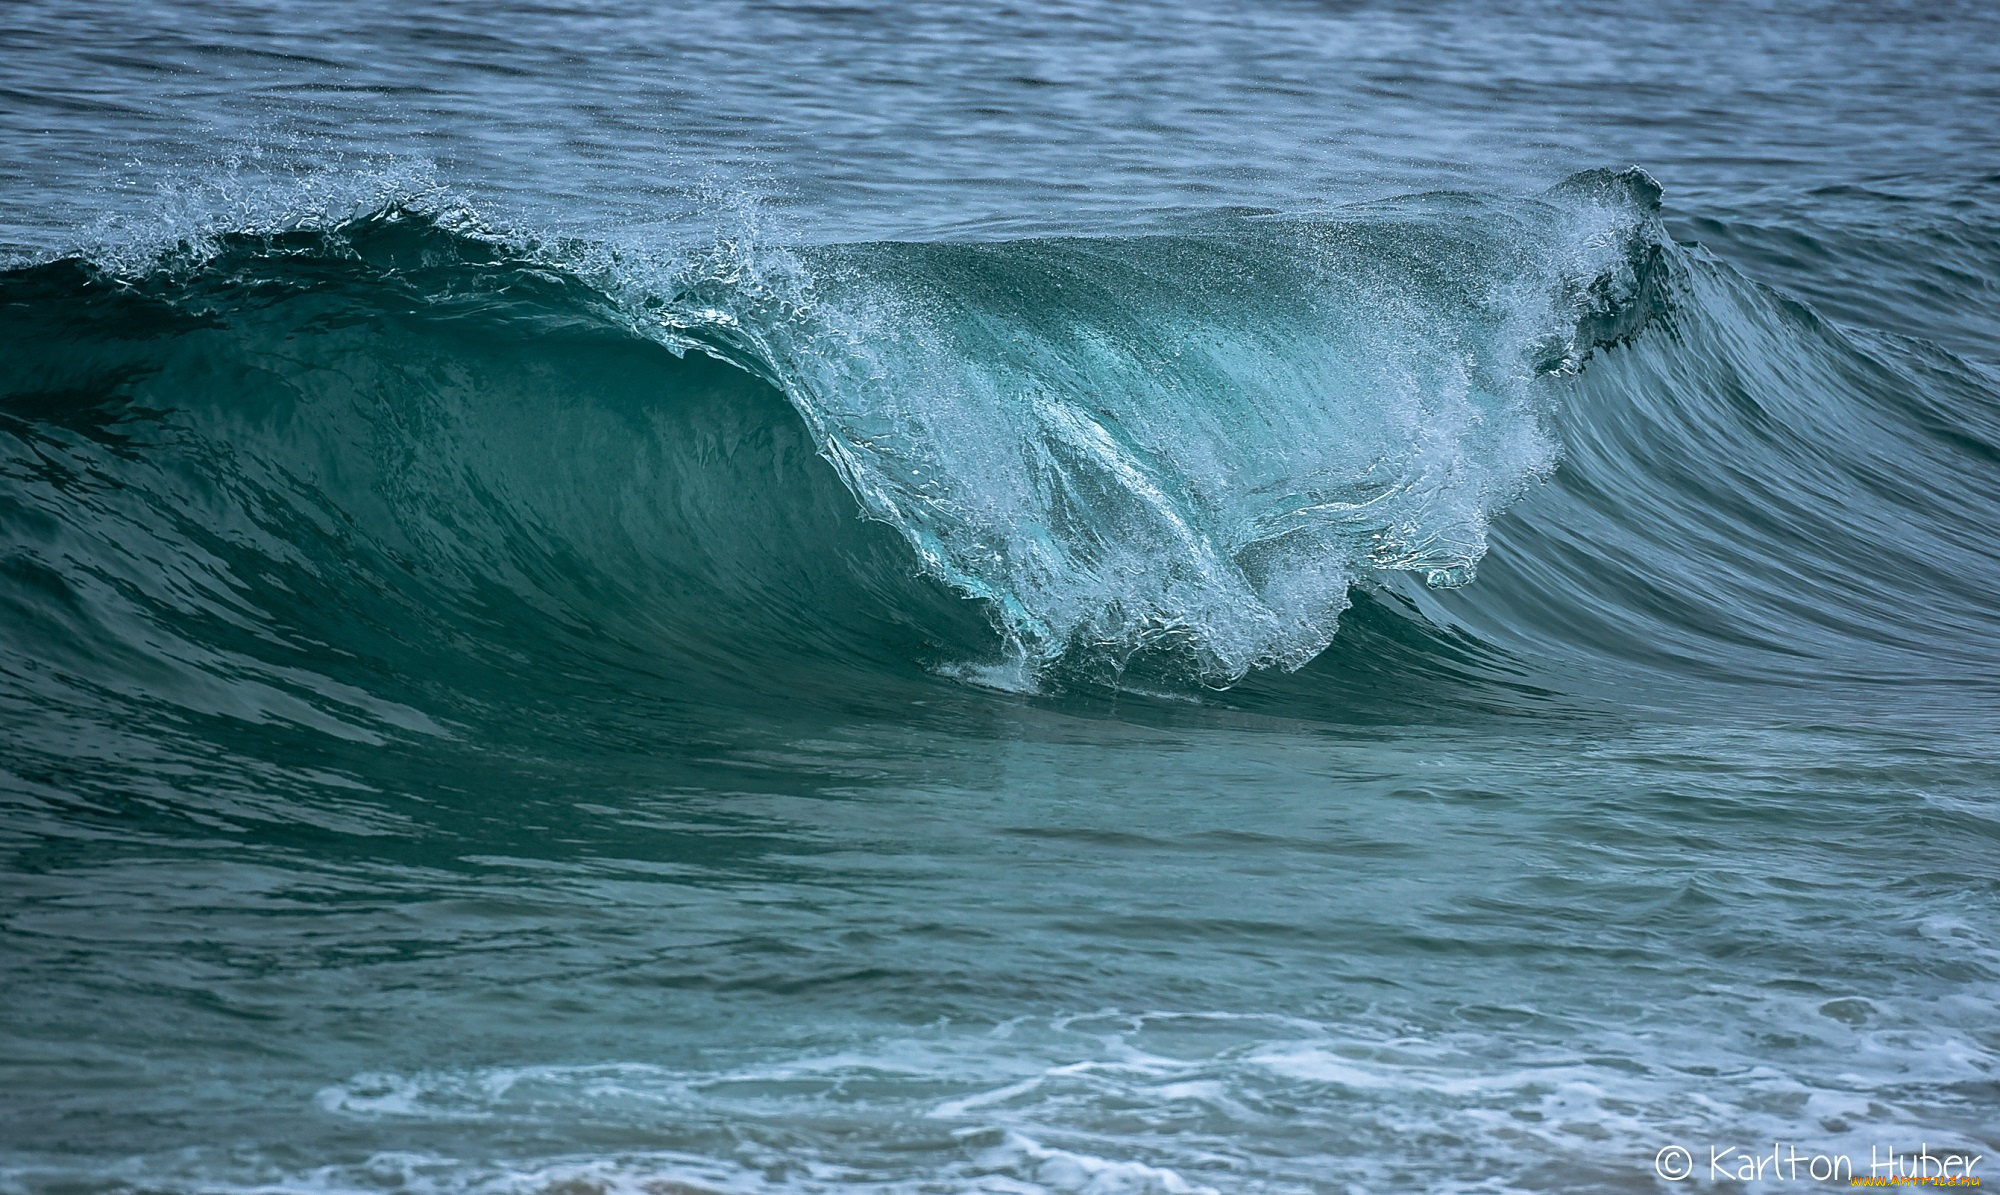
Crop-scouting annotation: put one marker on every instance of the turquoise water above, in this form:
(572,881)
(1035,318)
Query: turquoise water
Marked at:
(793,599)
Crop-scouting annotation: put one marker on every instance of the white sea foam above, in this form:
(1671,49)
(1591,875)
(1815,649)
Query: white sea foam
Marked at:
(1113,1103)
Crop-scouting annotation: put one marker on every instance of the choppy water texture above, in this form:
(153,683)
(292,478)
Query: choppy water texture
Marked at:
(1068,597)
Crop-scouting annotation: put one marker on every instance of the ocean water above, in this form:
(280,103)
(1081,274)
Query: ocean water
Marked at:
(778,599)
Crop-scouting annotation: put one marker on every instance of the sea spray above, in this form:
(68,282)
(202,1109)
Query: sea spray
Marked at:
(1197,443)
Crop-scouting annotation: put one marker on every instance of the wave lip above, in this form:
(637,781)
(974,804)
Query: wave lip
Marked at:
(1194,442)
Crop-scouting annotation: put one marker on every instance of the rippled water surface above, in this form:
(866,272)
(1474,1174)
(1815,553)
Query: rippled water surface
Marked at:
(1086,598)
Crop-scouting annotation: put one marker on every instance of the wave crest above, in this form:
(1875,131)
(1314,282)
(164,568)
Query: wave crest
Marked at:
(1195,443)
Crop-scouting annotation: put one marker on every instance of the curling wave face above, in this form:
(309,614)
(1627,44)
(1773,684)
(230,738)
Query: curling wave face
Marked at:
(1189,446)
(298,456)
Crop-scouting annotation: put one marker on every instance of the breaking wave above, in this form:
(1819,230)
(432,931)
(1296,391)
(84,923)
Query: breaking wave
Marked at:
(362,476)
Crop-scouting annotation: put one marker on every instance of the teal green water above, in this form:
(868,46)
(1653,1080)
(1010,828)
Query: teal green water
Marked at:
(814,622)
(467,735)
